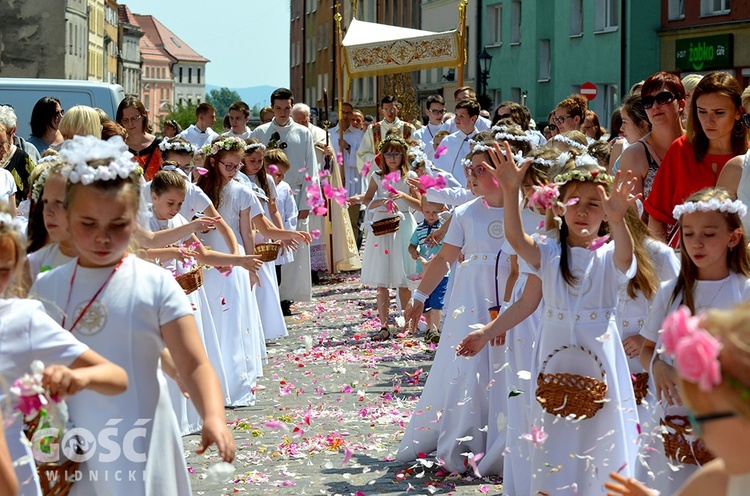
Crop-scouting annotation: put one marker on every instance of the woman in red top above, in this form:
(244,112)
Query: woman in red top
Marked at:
(714,135)
(132,115)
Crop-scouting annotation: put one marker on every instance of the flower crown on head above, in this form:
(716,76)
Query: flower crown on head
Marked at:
(252,146)
(543,162)
(695,350)
(227,143)
(177,146)
(81,150)
(581,175)
(13,223)
(419,156)
(38,187)
(478,146)
(392,139)
(505,136)
(712,205)
(569,142)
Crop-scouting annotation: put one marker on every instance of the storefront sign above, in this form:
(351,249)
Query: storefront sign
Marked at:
(704,53)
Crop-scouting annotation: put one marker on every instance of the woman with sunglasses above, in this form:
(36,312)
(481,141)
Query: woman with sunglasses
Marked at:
(717,394)
(693,162)
(45,123)
(132,115)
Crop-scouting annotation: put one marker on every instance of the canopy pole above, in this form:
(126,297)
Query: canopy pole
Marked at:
(462,37)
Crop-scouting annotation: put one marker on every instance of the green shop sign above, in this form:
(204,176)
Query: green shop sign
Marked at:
(704,53)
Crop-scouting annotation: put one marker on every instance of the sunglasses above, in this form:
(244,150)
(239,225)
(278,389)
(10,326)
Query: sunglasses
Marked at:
(60,112)
(697,421)
(475,170)
(276,142)
(661,98)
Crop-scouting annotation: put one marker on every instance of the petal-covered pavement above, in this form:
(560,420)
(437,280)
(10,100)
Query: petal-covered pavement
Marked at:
(331,408)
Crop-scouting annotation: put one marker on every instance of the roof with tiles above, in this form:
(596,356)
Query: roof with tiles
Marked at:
(161,37)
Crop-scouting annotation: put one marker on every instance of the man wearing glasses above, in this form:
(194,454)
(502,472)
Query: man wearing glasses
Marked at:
(435,113)
(377,132)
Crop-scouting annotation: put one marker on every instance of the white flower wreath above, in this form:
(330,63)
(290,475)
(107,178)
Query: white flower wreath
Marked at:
(503,136)
(38,187)
(419,156)
(478,146)
(178,146)
(252,146)
(712,205)
(78,152)
(229,143)
(569,142)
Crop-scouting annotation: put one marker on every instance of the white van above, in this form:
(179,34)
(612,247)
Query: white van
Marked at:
(23,93)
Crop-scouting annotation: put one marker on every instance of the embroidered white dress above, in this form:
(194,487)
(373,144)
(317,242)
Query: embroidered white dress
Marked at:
(386,261)
(188,418)
(451,417)
(653,467)
(123,325)
(233,305)
(578,455)
(29,334)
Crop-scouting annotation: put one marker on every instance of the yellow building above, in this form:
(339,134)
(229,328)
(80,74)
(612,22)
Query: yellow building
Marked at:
(96,40)
(111,42)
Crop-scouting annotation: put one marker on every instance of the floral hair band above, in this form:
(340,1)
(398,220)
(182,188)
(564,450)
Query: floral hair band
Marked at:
(695,350)
(117,161)
(38,187)
(569,142)
(391,140)
(177,146)
(578,174)
(712,205)
(252,146)
(478,146)
(503,136)
(227,143)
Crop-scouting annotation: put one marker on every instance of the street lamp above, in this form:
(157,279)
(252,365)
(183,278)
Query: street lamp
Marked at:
(485,62)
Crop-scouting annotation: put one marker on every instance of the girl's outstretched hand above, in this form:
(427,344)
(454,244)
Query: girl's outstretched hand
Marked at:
(626,486)
(413,312)
(617,203)
(303,237)
(504,167)
(252,263)
(215,431)
(472,343)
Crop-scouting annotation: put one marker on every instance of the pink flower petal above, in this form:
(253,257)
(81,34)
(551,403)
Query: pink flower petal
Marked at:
(273,169)
(315,233)
(347,456)
(202,171)
(440,151)
(599,242)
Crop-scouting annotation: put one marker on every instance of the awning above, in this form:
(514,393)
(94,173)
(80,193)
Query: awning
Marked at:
(372,49)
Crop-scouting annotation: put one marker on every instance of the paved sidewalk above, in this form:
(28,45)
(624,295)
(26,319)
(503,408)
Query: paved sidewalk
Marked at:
(331,409)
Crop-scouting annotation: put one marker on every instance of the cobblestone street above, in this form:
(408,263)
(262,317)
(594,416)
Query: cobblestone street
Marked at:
(331,408)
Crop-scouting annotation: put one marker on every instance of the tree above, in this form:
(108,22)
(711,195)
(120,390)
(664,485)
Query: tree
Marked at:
(183,114)
(221,99)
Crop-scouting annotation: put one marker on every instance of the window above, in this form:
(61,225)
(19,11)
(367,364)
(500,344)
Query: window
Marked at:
(544,60)
(199,75)
(576,17)
(190,75)
(515,95)
(180,74)
(515,21)
(606,15)
(714,7)
(676,10)
(494,26)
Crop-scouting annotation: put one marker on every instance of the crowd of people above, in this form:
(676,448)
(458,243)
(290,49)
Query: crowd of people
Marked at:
(586,287)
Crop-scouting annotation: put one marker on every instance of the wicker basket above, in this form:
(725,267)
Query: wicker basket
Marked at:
(55,479)
(640,386)
(564,394)
(676,445)
(386,226)
(268,251)
(190,281)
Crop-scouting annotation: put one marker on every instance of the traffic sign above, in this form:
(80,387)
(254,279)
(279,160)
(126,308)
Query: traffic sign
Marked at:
(589,90)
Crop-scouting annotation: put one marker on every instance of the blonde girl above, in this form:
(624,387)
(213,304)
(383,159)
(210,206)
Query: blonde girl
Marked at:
(128,311)
(29,334)
(438,424)
(714,272)
(579,274)
(386,260)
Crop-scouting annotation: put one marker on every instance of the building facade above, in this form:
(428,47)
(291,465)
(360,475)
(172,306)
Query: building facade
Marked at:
(111,42)
(703,36)
(543,51)
(76,47)
(129,60)
(96,40)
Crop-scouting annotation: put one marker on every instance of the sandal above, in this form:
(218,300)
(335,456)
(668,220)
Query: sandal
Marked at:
(432,336)
(382,335)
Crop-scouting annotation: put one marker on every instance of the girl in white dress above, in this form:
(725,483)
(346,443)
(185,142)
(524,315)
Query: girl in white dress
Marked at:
(264,188)
(168,190)
(714,274)
(29,334)
(386,262)
(127,310)
(452,415)
(580,276)
(233,305)
(719,406)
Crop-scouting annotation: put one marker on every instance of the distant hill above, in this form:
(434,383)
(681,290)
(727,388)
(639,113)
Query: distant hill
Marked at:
(252,95)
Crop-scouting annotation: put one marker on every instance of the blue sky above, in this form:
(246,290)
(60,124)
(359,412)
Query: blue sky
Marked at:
(247,41)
